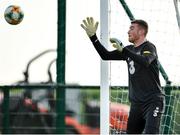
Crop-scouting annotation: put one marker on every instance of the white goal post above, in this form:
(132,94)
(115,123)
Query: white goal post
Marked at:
(104,84)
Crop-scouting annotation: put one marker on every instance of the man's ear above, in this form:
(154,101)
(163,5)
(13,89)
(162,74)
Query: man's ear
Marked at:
(141,31)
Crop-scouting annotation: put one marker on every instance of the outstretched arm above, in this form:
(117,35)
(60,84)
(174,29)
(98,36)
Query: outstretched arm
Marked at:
(90,27)
(104,53)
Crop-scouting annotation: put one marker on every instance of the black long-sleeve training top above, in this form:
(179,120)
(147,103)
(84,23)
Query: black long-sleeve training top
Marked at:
(142,61)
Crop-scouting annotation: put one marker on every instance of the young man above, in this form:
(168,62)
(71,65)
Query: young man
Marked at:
(145,93)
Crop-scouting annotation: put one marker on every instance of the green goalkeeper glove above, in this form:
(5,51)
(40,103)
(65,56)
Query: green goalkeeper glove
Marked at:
(89,26)
(117,44)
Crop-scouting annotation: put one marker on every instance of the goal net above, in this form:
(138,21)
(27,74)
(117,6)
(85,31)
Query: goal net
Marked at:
(162,17)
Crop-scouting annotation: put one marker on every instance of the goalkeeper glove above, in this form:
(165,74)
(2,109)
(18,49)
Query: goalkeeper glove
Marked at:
(89,26)
(117,44)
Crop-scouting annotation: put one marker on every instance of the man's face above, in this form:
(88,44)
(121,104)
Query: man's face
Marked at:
(133,33)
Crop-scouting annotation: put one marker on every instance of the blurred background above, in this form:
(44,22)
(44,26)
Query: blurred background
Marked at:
(37,33)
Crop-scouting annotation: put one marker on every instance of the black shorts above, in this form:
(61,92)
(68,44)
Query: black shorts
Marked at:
(145,118)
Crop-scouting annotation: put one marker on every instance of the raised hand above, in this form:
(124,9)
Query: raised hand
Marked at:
(90,26)
(117,44)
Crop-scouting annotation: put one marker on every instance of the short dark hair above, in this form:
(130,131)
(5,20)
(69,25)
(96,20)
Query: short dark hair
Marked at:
(142,24)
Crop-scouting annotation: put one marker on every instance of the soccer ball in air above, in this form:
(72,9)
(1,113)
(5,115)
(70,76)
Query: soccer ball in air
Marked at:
(13,15)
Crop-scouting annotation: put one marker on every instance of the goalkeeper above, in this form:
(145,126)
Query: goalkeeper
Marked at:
(145,93)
